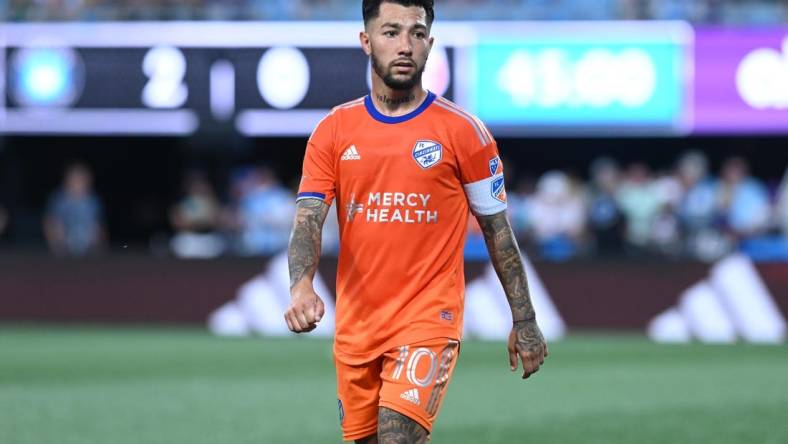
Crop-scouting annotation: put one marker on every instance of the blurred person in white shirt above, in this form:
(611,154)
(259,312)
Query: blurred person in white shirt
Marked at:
(557,214)
(640,202)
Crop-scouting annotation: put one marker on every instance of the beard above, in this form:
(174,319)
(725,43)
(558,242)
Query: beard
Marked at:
(394,83)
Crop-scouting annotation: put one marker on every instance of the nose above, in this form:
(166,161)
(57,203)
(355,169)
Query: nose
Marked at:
(405,45)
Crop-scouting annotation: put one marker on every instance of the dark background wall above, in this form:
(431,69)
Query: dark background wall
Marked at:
(140,289)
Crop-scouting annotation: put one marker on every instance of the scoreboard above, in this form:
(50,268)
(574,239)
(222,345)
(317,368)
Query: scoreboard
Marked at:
(182,78)
(522,79)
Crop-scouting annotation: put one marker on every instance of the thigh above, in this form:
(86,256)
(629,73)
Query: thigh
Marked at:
(396,428)
(415,378)
(358,395)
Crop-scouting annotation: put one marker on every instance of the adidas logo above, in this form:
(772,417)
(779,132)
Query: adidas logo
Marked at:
(351,154)
(411,395)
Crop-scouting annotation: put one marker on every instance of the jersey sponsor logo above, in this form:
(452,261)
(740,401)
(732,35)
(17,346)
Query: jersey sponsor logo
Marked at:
(411,395)
(394,207)
(446,315)
(427,153)
(351,154)
(497,189)
(494,165)
(353,208)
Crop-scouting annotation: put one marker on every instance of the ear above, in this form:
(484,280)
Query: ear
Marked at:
(363,37)
(432,41)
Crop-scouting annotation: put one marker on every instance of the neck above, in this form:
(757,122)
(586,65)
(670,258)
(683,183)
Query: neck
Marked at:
(393,102)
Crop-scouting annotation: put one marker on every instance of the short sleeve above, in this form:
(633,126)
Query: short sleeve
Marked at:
(318,178)
(481,171)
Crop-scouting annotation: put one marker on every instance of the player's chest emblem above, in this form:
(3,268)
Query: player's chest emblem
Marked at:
(427,153)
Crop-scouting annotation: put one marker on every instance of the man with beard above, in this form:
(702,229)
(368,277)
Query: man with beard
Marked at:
(405,168)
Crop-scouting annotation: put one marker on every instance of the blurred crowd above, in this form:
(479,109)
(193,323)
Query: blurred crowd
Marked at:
(741,12)
(686,211)
(629,210)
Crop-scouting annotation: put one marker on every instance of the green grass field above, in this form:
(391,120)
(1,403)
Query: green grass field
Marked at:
(114,386)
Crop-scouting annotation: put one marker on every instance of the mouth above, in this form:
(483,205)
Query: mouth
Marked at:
(404,64)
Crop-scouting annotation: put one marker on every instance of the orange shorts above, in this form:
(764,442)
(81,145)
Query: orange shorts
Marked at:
(410,380)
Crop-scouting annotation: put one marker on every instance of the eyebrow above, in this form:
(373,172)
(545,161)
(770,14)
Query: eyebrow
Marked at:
(398,26)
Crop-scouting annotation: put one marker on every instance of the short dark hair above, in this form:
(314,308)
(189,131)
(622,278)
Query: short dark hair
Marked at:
(370,9)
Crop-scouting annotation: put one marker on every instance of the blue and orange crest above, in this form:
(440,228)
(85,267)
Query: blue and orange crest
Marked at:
(498,190)
(495,166)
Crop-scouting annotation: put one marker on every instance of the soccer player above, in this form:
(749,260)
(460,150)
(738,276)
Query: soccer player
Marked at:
(405,167)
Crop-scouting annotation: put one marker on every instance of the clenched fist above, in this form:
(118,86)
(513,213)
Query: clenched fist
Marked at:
(305,309)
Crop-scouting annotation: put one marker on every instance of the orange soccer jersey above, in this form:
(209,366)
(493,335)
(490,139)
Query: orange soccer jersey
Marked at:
(404,186)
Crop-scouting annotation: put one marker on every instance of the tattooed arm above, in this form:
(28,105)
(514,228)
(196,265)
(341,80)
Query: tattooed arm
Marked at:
(306,308)
(525,338)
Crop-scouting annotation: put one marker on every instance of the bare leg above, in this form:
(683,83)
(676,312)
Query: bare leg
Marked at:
(371,439)
(395,428)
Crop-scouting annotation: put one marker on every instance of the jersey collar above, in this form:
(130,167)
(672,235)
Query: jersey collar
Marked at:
(398,119)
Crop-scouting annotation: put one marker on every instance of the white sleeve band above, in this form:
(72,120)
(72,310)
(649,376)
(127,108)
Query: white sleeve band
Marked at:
(486,196)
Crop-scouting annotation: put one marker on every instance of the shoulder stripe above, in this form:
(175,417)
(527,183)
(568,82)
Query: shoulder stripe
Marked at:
(350,104)
(484,128)
(482,136)
(478,121)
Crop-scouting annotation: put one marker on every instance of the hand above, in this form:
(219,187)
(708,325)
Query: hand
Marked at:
(526,340)
(305,310)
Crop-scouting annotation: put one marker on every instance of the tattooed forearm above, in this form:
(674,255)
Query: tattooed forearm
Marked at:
(395,428)
(505,257)
(304,249)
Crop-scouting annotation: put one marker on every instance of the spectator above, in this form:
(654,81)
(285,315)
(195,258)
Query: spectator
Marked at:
(697,207)
(264,212)
(640,205)
(666,229)
(742,200)
(73,223)
(697,210)
(604,215)
(518,206)
(557,216)
(196,219)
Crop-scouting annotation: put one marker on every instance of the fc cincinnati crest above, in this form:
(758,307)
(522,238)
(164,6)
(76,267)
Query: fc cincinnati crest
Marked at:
(427,153)
(494,164)
(497,189)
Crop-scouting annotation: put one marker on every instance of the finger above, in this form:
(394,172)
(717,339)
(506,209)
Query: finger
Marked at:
(291,322)
(287,321)
(301,318)
(310,328)
(512,359)
(309,314)
(529,365)
(320,311)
